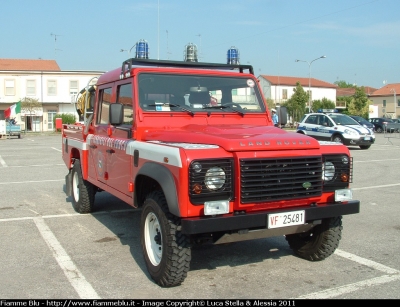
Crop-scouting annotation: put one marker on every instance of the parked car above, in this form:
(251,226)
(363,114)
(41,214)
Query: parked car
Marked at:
(363,122)
(383,124)
(336,127)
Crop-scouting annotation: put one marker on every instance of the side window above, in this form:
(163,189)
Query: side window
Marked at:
(104,105)
(125,97)
(322,120)
(312,119)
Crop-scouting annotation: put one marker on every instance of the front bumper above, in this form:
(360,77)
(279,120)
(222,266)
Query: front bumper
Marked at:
(359,141)
(259,220)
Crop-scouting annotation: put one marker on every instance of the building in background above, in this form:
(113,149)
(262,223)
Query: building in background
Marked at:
(387,100)
(347,92)
(280,88)
(43,80)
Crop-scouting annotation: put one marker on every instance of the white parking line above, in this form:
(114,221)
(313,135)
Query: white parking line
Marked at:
(369,161)
(392,275)
(38,165)
(2,162)
(333,292)
(376,187)
(32,181)
(56,149)
(366,262)
(74,276)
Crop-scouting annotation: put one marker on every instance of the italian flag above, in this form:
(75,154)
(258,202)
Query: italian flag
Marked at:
(13,110)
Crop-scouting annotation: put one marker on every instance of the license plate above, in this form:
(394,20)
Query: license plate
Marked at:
(367,138)
(285,219)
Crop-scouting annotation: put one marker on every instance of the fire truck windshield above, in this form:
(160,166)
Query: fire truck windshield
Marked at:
(180,93)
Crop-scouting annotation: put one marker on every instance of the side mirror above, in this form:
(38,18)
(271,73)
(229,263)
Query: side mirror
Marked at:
(282,115)
(116,114)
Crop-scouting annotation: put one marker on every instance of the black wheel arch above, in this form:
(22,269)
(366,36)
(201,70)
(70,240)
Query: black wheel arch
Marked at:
(162,177)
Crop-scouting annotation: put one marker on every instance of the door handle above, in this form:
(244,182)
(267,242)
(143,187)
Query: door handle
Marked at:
(93,146)
(110,151)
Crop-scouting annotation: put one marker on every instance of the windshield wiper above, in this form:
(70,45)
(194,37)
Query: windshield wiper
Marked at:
(182,108)
(174,105)
(224,107)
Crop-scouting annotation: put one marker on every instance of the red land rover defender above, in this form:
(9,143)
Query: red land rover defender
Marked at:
(193,145)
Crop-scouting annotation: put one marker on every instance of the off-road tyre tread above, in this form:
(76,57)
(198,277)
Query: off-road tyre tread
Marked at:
(177,254)
(86,192)
(318,243)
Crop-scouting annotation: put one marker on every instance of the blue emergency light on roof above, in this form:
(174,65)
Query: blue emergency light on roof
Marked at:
(142,49)
(233,56)
(328,111)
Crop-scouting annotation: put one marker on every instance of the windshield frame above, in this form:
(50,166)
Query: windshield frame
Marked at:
(210,93)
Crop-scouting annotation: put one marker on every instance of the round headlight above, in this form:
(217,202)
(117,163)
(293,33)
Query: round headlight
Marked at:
(196,166)
(328,171)
(215,178)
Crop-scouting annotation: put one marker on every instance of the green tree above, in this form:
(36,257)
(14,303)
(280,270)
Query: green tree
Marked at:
(343,84)
(296,105)
(66,118)
(359,104)
(325,103)
(30,105)
(270,103)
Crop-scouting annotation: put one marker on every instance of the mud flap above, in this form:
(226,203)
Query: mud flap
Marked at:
(68,184)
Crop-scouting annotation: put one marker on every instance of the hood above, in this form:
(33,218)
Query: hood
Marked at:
(234,137)
(360,129)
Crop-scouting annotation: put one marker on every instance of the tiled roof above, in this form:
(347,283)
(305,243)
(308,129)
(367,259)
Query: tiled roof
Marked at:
(16,64)
(291,81)
(349,91)
(388,90)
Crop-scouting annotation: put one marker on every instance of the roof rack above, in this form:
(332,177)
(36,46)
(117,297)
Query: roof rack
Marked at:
(127,65)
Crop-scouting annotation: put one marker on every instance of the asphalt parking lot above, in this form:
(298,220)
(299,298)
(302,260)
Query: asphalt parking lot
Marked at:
(48,251)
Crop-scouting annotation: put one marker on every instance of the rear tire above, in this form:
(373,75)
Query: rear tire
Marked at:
(166,250)
(318,243)
(83,192)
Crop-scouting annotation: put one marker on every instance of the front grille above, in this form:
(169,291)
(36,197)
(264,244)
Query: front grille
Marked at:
(274,179)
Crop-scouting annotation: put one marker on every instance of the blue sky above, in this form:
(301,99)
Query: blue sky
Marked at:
(360,38)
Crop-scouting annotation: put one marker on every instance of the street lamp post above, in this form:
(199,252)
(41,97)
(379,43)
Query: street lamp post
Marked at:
(309,78)
(394,100)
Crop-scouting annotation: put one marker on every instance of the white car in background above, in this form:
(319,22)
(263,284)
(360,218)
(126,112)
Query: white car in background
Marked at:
(336,127)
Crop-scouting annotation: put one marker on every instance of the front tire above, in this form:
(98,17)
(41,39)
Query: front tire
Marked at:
(365,146)
(318,243)
(166,250)
(337,139)
(83,192)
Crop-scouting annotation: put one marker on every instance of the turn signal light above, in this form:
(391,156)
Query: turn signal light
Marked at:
(196,188)
(344,177)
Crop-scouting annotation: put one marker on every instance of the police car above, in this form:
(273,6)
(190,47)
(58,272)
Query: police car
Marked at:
(329,125)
